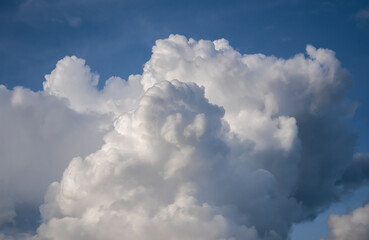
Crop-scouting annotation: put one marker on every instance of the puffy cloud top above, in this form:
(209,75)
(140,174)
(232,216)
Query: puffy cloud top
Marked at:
(351,226)
(206,144)
(72,80)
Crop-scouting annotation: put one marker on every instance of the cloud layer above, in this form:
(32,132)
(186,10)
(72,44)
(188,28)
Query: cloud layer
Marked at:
(206,144)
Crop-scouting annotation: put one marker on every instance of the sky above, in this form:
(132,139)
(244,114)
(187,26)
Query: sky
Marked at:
(293,117)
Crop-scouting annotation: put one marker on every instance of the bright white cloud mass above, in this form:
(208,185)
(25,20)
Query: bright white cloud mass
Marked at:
(350,226)
(206,144)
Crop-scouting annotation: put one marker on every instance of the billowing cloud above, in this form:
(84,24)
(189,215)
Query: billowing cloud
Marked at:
(39,135)
(354,225)
(42,131)
(298,104)
(206,144)
(73,81)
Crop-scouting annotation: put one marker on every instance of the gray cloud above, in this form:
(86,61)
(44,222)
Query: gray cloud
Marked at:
(357,172)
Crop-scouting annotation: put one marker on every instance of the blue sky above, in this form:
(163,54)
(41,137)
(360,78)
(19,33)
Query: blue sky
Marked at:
(116,37)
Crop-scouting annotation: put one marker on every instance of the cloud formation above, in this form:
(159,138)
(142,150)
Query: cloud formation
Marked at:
(39,137)
(206,144)
(42,131)
(354,225)
(73,81)
(357,172)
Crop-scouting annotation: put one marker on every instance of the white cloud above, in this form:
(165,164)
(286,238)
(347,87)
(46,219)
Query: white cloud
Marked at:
(42,131)
(206,144)
(39,137)
(72,80)
(161,170)
(354,225)
(275,103)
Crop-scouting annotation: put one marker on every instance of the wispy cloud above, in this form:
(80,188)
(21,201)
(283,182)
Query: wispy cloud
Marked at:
(74,21)
(362,14)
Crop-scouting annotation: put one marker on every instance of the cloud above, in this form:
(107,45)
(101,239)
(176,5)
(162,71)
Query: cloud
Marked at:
(39,137)
(354,225)
(74,21)
(362,14)
(152,183)
(207,143)
(42,131)
(357,173)
(73,81)
(297,104)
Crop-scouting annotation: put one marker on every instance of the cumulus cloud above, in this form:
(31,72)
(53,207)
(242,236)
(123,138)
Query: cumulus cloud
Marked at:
(295,105)
(73,81)
(164,179)
(42,131)
(354,225)
(39,135)
(207,143)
